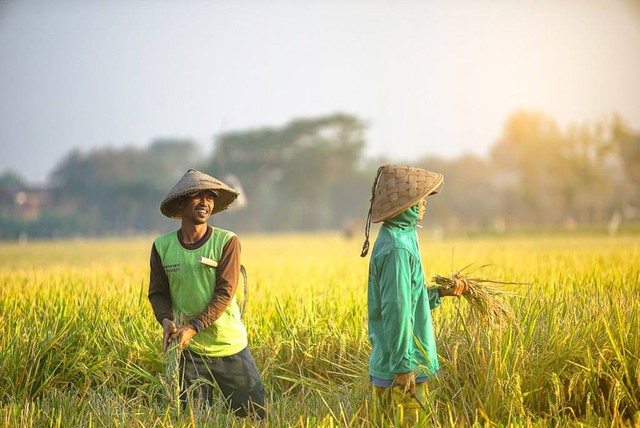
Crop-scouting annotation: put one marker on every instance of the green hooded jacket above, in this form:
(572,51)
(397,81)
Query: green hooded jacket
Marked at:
(399,302)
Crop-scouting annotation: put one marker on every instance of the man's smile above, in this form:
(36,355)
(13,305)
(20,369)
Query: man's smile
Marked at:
(202,210)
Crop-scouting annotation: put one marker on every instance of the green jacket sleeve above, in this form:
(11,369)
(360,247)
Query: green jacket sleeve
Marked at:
(434,297)
(397,323)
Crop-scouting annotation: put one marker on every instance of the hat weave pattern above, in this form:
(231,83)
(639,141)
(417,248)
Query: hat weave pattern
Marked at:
(193,182)
(400,187)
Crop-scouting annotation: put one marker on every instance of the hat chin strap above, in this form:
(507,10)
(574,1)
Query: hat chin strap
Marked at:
(367,227)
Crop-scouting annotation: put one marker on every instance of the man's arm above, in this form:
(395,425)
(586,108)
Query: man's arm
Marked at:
(160,298)
(227,276)
(159,295)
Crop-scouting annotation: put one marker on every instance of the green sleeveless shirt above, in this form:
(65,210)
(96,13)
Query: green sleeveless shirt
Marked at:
(191,285)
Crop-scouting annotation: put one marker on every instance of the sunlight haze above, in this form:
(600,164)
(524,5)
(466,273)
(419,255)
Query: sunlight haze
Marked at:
(429,77)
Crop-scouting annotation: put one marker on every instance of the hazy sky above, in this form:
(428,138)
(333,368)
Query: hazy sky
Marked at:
(431,76)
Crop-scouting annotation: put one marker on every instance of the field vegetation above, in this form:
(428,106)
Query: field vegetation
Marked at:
(80,347)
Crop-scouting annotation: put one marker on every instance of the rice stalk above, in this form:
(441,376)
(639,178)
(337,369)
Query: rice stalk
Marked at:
(172,365)
(484,296)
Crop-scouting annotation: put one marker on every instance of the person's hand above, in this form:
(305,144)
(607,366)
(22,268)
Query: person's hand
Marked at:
(183,336)
(168,328)
(459,288)
(407,381)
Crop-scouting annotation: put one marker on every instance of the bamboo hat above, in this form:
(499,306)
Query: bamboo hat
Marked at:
(193,182)
(399,187)
(396,188)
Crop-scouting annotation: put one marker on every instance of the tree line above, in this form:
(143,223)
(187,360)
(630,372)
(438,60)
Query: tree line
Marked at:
(311,174)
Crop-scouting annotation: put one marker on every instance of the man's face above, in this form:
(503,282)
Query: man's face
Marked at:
(422,208)
(196,209)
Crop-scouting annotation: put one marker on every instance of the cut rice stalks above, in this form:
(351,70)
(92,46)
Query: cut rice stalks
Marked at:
(482,294)
(171,381)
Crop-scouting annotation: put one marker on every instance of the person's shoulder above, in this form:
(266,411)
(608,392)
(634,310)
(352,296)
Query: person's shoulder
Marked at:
(395,250)
(166,237)
(389,244)
(163,242)
(223,234)
(390,241)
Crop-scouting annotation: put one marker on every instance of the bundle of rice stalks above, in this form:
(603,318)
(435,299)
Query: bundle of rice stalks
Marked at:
(172,366)
(482,294)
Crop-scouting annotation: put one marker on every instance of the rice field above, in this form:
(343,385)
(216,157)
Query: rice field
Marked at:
(80,346)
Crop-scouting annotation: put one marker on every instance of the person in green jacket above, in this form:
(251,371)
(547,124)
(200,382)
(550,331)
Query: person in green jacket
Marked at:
(403,347)
(181,286)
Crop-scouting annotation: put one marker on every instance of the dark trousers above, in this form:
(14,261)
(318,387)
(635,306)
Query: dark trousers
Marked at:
(236,375)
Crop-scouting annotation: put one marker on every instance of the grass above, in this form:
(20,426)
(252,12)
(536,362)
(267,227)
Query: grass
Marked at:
(80,346)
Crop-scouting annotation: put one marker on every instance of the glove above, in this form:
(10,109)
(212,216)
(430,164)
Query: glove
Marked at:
(459,288)
(183,336)
(407,381)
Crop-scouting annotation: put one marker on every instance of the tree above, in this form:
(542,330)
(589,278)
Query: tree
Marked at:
(119,190)
(293,175)
(586,184)
(467,198)
(529,162)
(12,178)
(627,146)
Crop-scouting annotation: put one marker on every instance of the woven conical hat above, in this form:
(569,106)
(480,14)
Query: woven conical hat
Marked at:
(192,182)
(400,187)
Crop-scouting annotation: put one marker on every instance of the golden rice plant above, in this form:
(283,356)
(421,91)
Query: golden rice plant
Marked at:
(484,295)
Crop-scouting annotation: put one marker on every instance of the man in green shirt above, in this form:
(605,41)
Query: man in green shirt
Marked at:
(403,347)
(213,336)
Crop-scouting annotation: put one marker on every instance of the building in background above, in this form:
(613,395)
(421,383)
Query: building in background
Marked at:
(24,202)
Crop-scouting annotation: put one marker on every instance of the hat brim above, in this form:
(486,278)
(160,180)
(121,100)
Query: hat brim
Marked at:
(431,190)
(192,183)
(171,206)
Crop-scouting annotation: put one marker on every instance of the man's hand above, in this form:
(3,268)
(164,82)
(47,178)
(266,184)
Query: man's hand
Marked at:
(407,381)
(459,288)
(183,336)
(168,328)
